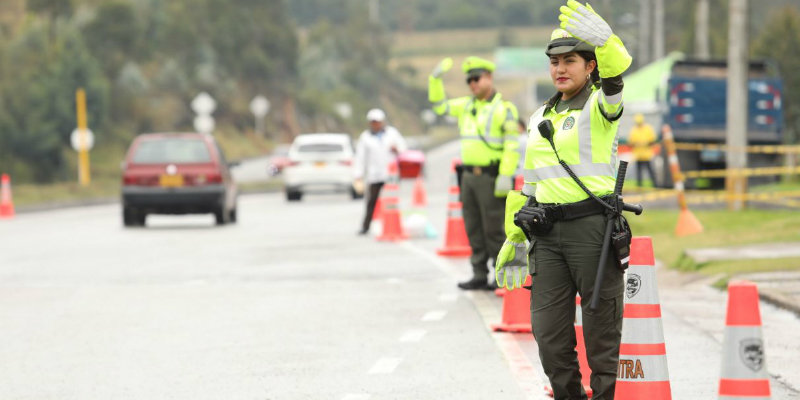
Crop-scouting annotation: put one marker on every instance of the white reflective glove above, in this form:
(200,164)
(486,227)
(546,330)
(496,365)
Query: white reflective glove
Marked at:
(502,185)
(584,23)
(511,267)
(442,67)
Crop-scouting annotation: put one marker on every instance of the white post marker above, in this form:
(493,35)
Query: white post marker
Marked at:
(78,144)
(203,105)
(259,106)
(344,109)
(204,124)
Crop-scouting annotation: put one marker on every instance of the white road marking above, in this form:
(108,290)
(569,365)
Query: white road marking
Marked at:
(413,336)
(435,315)
(522,369)
(353,396)
(448,297)
(385,366)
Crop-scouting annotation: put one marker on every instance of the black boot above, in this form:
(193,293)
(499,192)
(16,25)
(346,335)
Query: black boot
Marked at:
(476,283)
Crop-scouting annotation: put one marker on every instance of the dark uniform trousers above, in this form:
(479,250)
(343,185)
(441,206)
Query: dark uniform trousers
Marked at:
(562,263)
(483,219)
(372,201)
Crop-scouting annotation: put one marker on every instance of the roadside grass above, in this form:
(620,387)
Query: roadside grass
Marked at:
(722,228)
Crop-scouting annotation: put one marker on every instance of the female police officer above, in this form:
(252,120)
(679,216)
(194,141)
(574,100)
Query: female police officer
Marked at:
(586,61)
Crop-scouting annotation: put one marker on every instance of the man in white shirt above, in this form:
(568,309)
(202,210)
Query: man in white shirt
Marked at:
(377,147)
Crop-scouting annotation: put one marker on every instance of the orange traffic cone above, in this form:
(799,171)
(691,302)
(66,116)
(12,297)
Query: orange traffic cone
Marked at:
(419,198)
(378,213)
(392,221)
(6,204)
(580,348)
(516,310)
(744,365)
(642,371)
(687,222)
(456,243)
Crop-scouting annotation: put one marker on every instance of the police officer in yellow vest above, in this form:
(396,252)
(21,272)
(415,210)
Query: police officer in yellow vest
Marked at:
(489,153)
(586,63)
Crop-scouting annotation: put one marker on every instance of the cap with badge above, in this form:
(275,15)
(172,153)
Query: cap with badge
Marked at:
(562,42)
(476,66)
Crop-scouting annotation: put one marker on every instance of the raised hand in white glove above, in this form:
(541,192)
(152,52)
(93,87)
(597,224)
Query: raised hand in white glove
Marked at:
(584,23)
(442,67)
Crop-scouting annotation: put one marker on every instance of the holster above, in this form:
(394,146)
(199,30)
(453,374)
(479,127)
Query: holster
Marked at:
(621,243)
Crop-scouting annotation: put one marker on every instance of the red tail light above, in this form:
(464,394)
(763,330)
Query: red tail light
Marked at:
(346,162)
(294,163)
(214,178)
(129,180)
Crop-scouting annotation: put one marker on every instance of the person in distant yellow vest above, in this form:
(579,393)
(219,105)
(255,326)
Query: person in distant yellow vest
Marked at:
(642,139)
(489,138)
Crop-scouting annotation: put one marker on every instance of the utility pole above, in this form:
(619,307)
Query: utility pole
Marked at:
(643,50)
(658,27)
(736,102)
(701,45)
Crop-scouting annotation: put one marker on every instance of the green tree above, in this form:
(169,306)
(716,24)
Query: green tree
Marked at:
(780,41)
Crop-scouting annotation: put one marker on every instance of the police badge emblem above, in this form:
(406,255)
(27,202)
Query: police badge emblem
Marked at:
(633,285)
(568,123)
(752,353)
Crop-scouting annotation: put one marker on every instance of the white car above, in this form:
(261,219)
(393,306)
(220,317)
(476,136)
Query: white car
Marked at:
(320,162)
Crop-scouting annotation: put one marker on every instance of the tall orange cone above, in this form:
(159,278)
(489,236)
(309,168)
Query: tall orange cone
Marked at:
(456,243)
(516,315)
(419,198)
(392,220)
(6,204)
(377,215)
(744,364)
(687,222)
(580,348)
(642,372)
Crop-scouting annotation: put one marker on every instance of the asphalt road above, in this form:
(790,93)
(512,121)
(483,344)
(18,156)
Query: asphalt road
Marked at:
(290,304)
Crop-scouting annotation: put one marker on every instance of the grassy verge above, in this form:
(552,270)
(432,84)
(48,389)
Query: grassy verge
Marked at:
(722,229)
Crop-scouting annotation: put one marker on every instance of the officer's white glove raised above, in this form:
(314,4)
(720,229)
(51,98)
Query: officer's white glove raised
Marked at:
(502,185)
(584,23)
(442,67)
(511,267)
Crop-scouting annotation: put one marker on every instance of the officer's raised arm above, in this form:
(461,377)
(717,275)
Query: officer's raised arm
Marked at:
(613,59)
(437,96)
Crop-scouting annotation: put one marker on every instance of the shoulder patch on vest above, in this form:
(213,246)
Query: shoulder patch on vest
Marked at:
(568,123)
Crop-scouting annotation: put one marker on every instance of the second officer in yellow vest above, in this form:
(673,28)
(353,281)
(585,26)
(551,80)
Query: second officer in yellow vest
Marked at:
(489,153)
(586,63)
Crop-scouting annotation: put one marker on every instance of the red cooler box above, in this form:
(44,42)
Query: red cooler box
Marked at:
(411,162)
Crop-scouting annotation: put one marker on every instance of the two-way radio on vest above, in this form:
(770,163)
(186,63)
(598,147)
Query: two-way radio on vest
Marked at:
(622,237)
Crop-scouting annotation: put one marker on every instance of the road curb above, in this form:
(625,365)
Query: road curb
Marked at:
(60,205)
(780,300)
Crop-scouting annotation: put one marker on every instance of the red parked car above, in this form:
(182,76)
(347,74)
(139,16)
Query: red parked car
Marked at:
(176,173)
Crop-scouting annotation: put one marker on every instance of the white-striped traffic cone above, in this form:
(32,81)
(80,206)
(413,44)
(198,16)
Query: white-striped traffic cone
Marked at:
(392,220)
(642,373)
(456,243)
(744,365)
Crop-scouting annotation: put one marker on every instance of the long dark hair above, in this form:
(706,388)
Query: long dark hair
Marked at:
(589,56)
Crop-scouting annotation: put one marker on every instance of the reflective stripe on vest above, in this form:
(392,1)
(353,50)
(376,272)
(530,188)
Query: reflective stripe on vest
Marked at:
(486,134)
(585,167)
